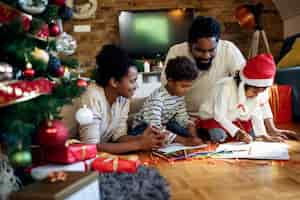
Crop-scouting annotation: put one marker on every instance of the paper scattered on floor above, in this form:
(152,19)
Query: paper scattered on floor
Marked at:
(255,150)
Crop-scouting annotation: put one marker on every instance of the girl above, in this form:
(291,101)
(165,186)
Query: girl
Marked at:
(234,110)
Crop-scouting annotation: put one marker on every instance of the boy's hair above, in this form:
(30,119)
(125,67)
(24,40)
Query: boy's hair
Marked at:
(112,62)
(181,69)
(203,27)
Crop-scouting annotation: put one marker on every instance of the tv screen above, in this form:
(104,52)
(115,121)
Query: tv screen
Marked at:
(148,34)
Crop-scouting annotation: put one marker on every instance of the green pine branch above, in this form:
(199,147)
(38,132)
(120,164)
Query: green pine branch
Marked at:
(50,14)
(13,3)
(70,62)
(21,121)
(24,119)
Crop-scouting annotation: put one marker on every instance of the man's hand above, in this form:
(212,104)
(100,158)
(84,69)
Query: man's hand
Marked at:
(152,138)
(243,136)
(285,134)
(269,138)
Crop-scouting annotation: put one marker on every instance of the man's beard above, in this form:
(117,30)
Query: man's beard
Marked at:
(203,65)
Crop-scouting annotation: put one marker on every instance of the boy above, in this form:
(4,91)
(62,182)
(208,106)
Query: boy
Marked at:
(165,107)
(108,101)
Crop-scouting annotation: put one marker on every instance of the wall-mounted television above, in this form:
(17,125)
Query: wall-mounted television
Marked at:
(148,34)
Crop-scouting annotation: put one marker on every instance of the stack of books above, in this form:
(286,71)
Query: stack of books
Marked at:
(177,151)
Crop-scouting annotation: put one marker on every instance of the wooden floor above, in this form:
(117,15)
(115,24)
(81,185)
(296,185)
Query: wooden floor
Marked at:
(234,179)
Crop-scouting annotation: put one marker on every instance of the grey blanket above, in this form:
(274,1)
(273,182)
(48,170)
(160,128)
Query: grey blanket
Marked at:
(146,184)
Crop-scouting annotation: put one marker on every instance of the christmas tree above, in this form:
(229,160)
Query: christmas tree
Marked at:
(38,75)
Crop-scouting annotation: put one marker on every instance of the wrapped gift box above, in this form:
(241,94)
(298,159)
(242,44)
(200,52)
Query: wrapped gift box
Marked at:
(281,103)
(71,153)
(115,164)
(42,171)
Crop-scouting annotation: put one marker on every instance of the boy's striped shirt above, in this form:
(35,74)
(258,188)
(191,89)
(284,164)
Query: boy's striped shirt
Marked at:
(160,107)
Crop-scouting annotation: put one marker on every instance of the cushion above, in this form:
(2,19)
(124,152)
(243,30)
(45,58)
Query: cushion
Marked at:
(292,58)
(281,103)
(290,76)
(287,45)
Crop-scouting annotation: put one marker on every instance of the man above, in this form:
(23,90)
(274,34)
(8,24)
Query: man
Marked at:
(216,59)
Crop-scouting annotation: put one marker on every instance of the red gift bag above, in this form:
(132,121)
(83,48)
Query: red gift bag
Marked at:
(115,164)
(71,153)
(281,103)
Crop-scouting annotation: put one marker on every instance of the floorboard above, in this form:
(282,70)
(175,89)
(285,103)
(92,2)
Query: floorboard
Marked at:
(209,179)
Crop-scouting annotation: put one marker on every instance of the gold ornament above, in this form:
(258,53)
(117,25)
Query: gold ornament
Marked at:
(40,54)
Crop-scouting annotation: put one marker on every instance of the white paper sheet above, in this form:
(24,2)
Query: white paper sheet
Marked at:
(255,150)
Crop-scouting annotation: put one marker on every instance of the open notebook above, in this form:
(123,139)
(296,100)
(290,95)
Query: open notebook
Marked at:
(254,150)
(177,151)
(171,148)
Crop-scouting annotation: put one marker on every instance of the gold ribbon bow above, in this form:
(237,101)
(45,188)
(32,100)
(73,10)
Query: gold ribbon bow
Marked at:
(115,163)
(57,176)
(71,141)
(74,141)
(115,159)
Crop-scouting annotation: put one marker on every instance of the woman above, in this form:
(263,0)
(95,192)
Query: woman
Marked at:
(108,101)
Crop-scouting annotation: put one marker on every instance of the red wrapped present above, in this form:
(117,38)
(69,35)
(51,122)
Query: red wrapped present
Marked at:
(281,103)
(115,164)
(71,153)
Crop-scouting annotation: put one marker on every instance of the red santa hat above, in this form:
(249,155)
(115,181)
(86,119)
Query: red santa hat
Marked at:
(259,71)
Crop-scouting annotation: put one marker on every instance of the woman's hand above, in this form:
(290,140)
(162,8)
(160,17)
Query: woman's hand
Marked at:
(151,139)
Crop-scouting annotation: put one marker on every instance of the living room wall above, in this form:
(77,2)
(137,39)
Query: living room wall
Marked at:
(104,25)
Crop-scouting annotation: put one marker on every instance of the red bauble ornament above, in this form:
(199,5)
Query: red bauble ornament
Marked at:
(53,133)
(60,71)
(82,83)
(29,73)
(26,21)
(59,2)
(43,32)
(54,29)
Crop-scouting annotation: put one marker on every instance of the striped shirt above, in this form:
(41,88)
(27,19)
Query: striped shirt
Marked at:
(160,107)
